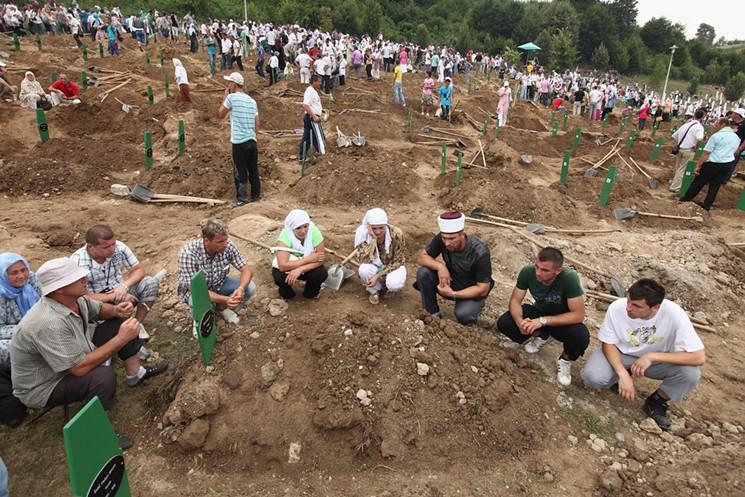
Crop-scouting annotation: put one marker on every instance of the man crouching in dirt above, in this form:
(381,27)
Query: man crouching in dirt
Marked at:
(558,311)
(646,335)
(464,275)
(213,254)
(60,352)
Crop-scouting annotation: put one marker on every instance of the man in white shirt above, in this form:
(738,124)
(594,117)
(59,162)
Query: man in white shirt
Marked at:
(312,132)
(646,335)
(303,62)
(688,137)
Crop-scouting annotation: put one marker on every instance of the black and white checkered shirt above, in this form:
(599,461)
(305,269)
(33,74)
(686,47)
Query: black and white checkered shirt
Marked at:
(192,258)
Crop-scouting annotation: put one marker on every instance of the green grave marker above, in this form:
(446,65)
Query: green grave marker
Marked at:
(161,57)
(577,136)
(84,49)
(409,119)
(688,176)
(38,41)
(485,127)
(94,458)
(675,128)
(656,149)
(741,200)
(610,178)
(181,137)
(565,167)
(16,43)
(166,85)
(100,50)
(147,58)
(630,140)
(553,115)
(148,150)
(41,124)
(204,316)
(150,98)
(443,159)
(622,126)
(605,121)
(54,76)
(555,128)
(699,152)
(84,80)
(496,130)
(655,128)
(565,124)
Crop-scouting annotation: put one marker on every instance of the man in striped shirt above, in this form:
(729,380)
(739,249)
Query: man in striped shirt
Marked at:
(244,123)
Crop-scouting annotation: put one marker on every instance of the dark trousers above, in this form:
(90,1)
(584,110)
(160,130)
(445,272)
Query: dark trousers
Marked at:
(575,337)
(714,174)
(246,169)
(12,410)
(313,280)
(313,136)
(260,68)
(445,116)
(238,60)
(341,80)
(466,310)
(327,83)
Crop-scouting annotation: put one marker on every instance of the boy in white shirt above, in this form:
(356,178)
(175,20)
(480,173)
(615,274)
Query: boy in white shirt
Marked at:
(647,335)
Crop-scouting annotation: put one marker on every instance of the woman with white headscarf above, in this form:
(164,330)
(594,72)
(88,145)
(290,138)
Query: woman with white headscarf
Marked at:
(32,94)
(182,80)
(381,254)
(299,256)
(505,99)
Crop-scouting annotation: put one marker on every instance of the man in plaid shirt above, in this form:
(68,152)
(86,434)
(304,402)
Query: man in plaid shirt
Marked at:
(104,257)
(213,254)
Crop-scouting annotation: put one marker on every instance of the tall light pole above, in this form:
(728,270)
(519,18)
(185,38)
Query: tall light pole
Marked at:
(664,89)
(245,12)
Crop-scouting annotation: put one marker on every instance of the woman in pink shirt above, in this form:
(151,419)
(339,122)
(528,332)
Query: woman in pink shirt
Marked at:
(404,58)
(428,100)
(643,114)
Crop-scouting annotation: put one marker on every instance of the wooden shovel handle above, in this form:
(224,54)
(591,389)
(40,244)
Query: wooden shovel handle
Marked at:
(669,216)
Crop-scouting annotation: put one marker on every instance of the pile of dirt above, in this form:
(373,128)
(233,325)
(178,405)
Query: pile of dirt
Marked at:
(357,176)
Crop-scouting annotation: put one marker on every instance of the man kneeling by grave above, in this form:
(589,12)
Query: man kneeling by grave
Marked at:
(60,353)
(213,254)
(464,275)
(646,335)
(104,257)
(558,311)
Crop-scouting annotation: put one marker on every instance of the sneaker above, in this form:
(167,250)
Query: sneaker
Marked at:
(125,441)
(656,408)
(534,345)
(230,316)
(374,298)
(150,371)
(564,372)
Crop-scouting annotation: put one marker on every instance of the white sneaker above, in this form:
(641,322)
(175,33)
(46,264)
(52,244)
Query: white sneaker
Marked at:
(564,372)
(535,344)
(194,330)
(230,317)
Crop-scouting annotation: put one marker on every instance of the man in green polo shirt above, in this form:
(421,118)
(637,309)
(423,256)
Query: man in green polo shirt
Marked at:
(558,311)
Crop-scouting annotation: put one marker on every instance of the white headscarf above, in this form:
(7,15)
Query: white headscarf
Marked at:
(180,73)
(375,217)
(294,220)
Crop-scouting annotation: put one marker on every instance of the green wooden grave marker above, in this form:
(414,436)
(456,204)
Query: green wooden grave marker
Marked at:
(38,41)
(577,136)
(610,178)
(630,140)
(100,50)
(150,98)
(496,130)
(565,167)
(166,85)
(485,127)
(741,200)
(148,150)
(94,458)
(688,176)
(555,128)
(41,124)
(16,43)
(565,124)
(605,121)
(181,137)
(204,316)
(84,49)
(147,58)
(656,149)
(84,80)
(54,76)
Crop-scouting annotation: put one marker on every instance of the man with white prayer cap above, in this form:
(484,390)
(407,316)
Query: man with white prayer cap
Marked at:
(381,254)
(463,275)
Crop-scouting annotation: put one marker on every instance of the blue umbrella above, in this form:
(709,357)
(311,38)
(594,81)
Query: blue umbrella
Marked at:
(530,46)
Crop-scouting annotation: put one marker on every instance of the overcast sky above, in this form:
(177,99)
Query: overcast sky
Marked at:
(727,16)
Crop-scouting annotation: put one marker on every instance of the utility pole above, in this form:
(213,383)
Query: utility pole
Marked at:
(245,11)
(664,89)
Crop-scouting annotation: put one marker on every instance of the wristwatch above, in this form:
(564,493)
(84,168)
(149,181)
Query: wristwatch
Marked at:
(543,321)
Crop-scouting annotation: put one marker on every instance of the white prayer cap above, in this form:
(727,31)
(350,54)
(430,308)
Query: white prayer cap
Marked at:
(451,222)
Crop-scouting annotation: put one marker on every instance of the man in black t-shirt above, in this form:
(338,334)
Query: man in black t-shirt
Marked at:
(738,123)
(463,275)
(579,99)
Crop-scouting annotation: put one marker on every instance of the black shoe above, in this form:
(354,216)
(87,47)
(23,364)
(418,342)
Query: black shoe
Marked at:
(614,387)
(656,408)
(125,441)
(255,199)
(150,371)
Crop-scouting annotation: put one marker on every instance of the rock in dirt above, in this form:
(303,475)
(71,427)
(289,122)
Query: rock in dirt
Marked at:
(650,426)
(611,481)
(269,372)
(422,369)
(526,160)
(279,390)
(194,400)
(699,440)
(294,453)
(338,419)
(729,428)
(277,307)
(194,435)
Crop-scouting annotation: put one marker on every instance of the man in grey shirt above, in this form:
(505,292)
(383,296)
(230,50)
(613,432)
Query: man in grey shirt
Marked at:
(59,353)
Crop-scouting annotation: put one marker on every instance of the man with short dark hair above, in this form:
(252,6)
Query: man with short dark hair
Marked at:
(688,137)
(64,92)
(213,254)
(646,335)
(464,275)
(59,352)
(244,124)
(313,135)
(558,311)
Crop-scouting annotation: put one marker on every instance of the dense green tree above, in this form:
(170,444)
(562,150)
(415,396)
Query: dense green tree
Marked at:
(706,33)
(659,34)
(735,88)
(625,12)
(600,57)
(596,26)
(562,53)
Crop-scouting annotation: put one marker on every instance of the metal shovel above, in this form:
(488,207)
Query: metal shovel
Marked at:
(338,273)
(342,140)
(623,213)
(653,182)
(358,140)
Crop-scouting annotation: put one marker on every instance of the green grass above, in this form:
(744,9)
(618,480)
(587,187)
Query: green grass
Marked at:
(672,85)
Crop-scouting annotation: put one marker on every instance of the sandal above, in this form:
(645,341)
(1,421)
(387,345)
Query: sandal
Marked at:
(374,298)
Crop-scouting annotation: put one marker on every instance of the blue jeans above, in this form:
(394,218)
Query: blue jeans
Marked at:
(228,287)
(398,94)
(212,58)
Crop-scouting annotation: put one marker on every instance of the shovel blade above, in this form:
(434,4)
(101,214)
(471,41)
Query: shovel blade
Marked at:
(622,213)
(654,184)
(335,277)
(478,213)
(535,228)
(142,193)
(591,173)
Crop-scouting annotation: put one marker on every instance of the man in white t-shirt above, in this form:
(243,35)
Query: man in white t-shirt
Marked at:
(647,335)
(303,62)
(312,132)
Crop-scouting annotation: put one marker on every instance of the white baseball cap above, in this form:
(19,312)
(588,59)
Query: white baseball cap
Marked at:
(58,273)
(235,77)
(740,112)
(2,64)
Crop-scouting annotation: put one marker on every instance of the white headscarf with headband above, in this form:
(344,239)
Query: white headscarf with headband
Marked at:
(294,220)
(180,72)
(374,217)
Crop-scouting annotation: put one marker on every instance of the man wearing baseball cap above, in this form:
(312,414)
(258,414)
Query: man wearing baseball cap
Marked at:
(463,275)
(60,354)
(244,123)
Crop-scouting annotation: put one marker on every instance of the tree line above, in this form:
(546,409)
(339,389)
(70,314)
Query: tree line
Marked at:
(603,34)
